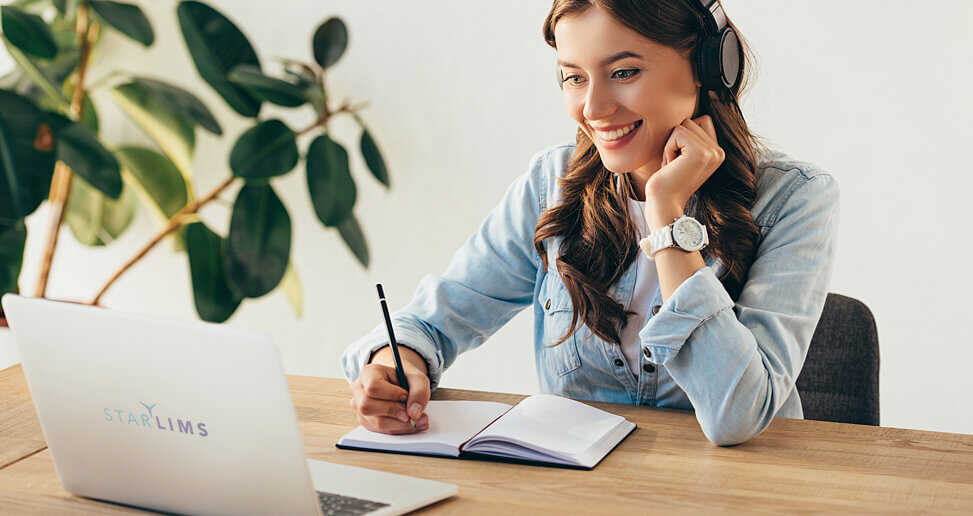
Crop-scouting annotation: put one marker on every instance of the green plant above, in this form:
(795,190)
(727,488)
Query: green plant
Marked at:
(50,149)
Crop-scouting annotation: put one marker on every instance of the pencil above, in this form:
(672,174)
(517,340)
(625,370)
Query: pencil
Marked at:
(399,370)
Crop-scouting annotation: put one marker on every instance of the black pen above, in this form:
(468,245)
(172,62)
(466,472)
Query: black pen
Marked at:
(399,370)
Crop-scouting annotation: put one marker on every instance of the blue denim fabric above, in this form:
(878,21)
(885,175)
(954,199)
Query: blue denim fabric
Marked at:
(734,364)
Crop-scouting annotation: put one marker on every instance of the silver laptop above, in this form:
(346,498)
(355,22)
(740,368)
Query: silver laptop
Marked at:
(185,417)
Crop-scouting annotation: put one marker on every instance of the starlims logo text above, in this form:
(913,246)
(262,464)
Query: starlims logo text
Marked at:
(154,421)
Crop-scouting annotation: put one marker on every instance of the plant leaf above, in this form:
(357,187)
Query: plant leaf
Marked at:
(27,157)
(86,156)
(12,239)
(372,155)
(217,46)
(214,300)
(126,18)
(96,220)
(40,78)
(28,32)
(352,234)
(259,244)
(265,150)
(329,42)
(89,114)
(291,285)
(173,133)
(271,89)
(156,176)
(329,181)
(181,102)
(61,5)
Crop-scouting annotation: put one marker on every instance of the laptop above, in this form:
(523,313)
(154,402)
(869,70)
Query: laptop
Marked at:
(184,417)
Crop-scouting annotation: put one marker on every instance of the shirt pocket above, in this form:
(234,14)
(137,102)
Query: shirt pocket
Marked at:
(555,301)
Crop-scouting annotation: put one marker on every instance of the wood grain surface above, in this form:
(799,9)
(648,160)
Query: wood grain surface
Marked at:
(20,432)
(665,466)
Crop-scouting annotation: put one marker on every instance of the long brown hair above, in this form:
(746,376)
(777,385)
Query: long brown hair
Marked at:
(599,240)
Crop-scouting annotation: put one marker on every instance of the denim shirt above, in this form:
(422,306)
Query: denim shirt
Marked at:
(734,364)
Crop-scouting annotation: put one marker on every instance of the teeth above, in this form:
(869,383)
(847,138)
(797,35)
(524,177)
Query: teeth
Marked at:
(616,134)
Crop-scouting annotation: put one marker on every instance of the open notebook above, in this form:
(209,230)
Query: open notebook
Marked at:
(541,429)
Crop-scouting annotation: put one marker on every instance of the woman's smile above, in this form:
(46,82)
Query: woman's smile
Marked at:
(619,137)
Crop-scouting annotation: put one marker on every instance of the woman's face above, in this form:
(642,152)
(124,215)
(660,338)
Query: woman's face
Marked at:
(614,77)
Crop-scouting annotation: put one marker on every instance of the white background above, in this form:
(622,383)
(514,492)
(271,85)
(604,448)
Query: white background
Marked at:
(461,95)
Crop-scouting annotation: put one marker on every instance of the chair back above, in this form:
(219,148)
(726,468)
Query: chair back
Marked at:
(839,380)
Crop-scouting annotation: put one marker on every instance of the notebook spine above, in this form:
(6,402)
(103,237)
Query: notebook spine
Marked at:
(463,444)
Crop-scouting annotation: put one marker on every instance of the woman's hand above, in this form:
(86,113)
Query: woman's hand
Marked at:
(690,157)
(380,402)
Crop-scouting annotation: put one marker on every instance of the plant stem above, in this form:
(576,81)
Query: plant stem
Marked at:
(323,119)
(99,82)
(174,223)
(61,181)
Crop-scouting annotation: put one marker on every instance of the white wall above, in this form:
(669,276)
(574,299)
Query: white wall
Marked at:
(461,96)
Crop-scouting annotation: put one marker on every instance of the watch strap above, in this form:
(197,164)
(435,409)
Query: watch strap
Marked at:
(662,238)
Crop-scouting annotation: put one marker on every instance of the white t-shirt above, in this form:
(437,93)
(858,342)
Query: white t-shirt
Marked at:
(646,281)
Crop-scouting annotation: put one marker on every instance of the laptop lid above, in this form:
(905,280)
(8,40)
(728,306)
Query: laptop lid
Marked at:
(181,416)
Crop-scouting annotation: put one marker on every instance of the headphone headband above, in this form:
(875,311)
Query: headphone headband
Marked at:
(719,55)
(716,21)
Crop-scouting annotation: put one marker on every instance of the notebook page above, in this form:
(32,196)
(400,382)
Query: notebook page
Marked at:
(552,424)
(451,423)
(595,453)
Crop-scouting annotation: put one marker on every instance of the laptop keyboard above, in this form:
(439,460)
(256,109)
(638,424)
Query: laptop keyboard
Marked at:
(337,504)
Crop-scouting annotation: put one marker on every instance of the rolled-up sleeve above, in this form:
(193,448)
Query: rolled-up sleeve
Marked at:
(488,281)
(738,362)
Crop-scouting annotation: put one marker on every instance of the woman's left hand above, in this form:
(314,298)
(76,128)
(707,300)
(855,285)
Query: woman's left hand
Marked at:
(699,155)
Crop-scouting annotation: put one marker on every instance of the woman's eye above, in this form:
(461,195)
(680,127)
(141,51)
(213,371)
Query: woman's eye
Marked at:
(621,74)
(627,73)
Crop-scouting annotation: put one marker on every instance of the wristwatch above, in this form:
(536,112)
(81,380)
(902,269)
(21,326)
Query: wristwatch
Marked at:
(685,233)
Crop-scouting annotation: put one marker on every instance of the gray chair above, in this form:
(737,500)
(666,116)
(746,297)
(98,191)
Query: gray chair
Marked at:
(839,381)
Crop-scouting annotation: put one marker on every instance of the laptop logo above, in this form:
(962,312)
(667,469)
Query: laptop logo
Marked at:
(147,419)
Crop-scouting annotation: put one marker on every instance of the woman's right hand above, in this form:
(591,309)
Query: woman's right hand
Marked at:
(381,403)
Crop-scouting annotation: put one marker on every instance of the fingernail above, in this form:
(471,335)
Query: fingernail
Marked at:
(415,410)
(402,416)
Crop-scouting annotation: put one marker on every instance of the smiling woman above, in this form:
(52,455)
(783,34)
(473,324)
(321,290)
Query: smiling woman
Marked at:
(629,78)
(670,258)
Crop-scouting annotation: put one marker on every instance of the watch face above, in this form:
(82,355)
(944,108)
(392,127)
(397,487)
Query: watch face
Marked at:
(688,234)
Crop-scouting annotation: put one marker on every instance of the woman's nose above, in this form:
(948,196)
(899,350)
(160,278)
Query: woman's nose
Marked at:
(599,102)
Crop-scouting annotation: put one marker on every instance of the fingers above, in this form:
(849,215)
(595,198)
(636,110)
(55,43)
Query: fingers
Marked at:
(387,425)
(373,407)
(418,394)
(704,135)
(378,381)
(705,122)
(671,150)
(380,404)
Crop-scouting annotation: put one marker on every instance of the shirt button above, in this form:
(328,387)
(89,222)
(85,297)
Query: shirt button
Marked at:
(655,309)
(648,368)
(646,352)
(547,306)
(618,362)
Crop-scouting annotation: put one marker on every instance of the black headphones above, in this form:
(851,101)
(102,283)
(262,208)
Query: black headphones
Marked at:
(718,55)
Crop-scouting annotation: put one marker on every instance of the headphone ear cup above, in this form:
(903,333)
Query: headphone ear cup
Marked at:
(718,61)
(731,57)
(708,63)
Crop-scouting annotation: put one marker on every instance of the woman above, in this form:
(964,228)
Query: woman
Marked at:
(719,323)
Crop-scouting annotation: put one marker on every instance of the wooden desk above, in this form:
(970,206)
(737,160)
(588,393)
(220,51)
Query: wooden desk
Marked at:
(666,465)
